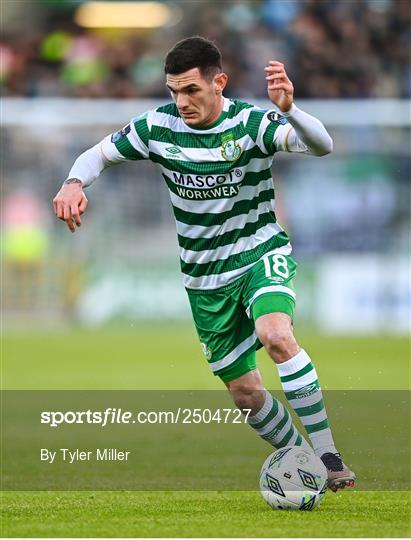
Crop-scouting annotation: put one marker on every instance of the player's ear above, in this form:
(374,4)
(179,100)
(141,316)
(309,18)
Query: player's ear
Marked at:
(220,82)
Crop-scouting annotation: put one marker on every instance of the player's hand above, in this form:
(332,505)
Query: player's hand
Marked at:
(70,202)
(279,87)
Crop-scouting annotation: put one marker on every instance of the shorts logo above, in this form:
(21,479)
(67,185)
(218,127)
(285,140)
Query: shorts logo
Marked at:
(230,149)
(207,351)
(276,279)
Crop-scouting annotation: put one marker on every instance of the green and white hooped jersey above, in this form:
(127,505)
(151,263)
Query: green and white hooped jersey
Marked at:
(220,185)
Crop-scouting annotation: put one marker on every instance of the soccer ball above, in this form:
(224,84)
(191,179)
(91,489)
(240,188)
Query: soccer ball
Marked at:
(293,478)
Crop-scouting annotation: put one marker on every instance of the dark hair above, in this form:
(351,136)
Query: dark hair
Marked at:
(194,52)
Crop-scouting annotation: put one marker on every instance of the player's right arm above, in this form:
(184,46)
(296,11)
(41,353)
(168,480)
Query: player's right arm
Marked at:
(286,127)
(130,143)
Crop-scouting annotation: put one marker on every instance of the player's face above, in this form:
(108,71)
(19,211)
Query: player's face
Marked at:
(198,99)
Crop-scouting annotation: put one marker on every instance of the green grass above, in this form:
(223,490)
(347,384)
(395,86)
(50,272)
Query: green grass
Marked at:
(201,514)
(169,357)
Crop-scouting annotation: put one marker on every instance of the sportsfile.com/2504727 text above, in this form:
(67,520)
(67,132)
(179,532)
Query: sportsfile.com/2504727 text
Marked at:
(110,416)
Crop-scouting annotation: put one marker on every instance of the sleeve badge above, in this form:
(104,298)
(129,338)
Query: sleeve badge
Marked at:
(274,116)
(118,135)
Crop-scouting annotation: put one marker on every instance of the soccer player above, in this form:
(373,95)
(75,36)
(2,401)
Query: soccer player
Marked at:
(215,155)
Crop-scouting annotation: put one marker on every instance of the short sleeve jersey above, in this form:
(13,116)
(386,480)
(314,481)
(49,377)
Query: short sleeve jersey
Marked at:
(220,184)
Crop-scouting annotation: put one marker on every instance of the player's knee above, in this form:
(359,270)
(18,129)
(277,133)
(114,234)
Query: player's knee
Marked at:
(280,343)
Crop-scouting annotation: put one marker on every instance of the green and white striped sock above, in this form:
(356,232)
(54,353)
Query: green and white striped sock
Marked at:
(274,424)
(303,392)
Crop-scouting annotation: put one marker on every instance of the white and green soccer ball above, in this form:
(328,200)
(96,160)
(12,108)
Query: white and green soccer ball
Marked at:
(293,478)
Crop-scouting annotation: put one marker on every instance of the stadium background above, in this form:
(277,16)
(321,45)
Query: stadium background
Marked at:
(347,214)
(105,309)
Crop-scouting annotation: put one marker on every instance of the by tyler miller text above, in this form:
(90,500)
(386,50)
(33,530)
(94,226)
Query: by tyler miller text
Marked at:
(75,455)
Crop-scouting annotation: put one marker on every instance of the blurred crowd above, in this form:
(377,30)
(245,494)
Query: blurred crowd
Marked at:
(331,49)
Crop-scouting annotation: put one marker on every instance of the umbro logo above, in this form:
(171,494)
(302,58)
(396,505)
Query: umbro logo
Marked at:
(173,150)
(276,279)
(307,390)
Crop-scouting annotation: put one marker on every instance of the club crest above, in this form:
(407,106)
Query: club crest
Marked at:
(230,149)
(206,350)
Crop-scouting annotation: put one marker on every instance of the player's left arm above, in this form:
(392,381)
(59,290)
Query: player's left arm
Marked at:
(130,143)
(303,133)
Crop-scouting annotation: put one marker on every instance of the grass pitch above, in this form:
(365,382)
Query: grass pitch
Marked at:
(201,514)
(169,357)
(161,357)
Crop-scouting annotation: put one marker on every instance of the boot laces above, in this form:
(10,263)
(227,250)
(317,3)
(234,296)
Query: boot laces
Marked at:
(333,462)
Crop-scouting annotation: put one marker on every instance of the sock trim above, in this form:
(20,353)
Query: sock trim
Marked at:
(297,362)
(303,371)
(264,411)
